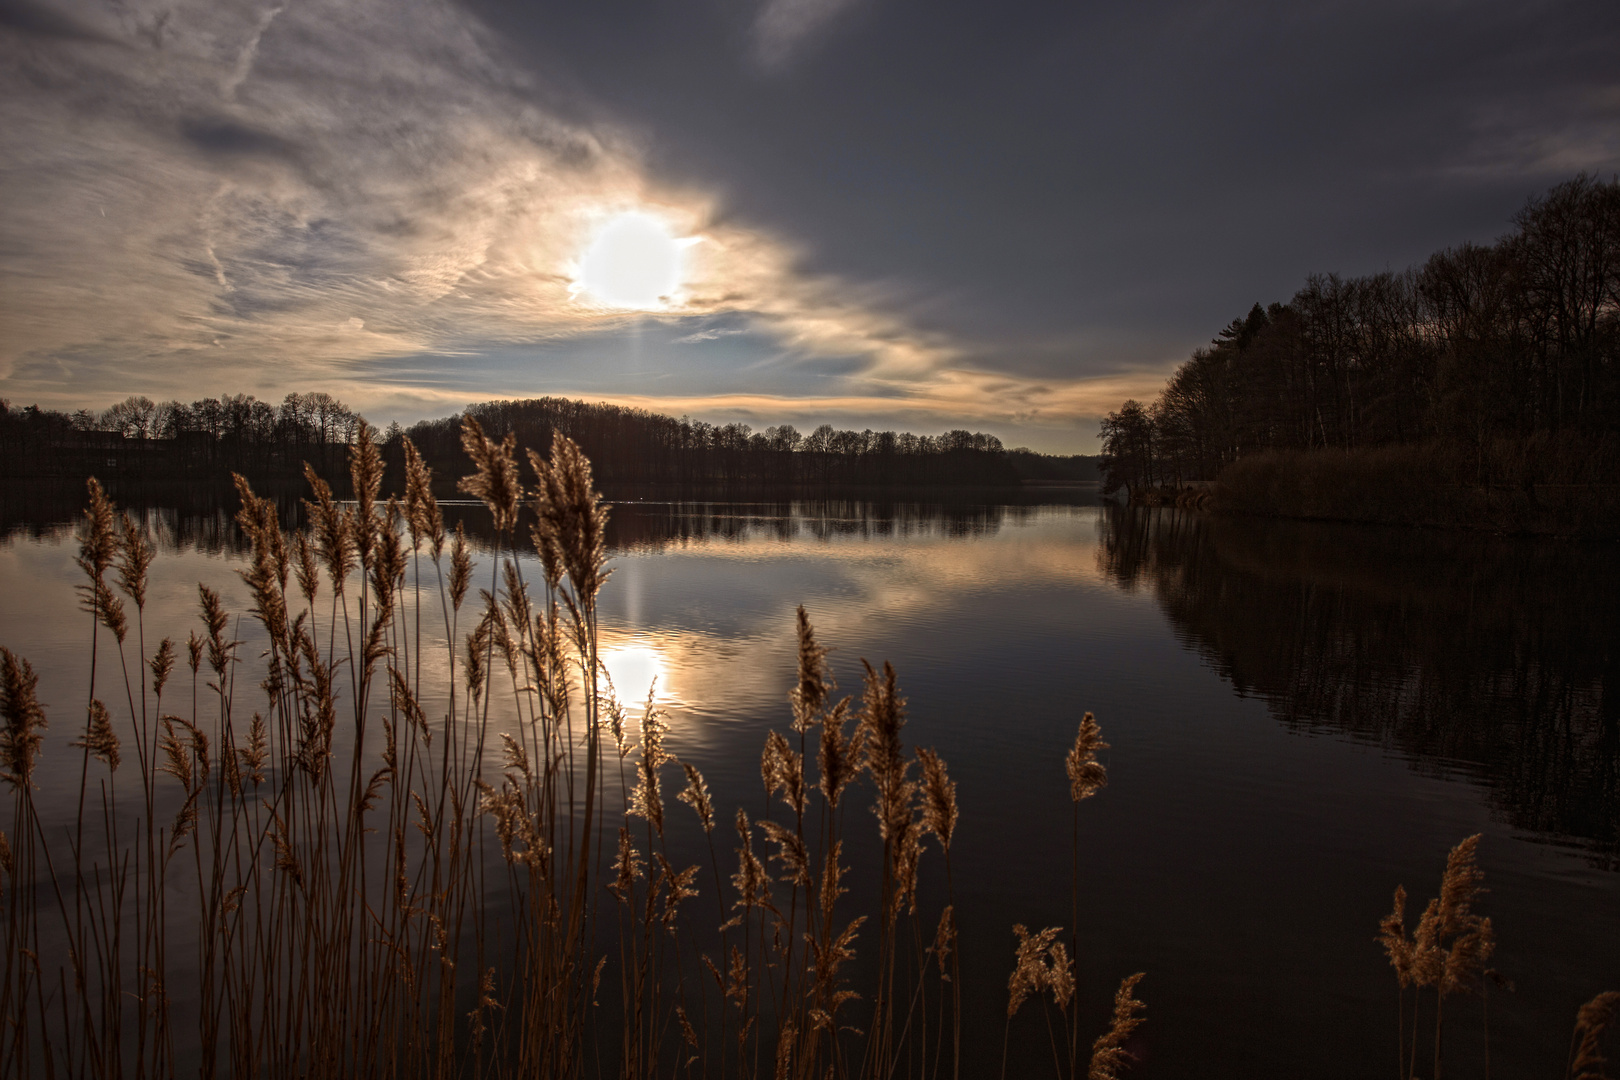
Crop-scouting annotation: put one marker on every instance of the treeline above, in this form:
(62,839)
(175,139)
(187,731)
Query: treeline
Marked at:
(634,452)
(1498,350)
(206,439)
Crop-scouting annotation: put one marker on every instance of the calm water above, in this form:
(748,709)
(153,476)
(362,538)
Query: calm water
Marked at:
(1301,717)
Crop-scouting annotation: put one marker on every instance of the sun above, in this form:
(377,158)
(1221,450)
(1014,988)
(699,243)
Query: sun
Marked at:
(632,262)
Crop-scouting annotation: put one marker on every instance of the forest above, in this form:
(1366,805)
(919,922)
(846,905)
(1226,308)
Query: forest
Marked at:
(635,452)
(141,440)
(1493,364)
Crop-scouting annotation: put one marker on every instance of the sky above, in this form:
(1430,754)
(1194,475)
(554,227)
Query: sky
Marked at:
(872,213)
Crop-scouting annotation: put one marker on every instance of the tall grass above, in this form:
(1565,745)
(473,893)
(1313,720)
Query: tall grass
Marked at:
(359,875)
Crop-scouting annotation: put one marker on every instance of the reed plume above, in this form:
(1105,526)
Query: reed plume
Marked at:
(646,800)
(945,940)
(832,874)
(22,731)
(1108,1053)
(907,856)
(1086,774)
(496,480)
(135,557)
(388,563)
(161,665)
(882,716)
(752,883)
(1461,885)
(365,475)
(1034,967)
(782,769)
(98,540)
(543,533)
(572,534)
(839,758)
(696,795)
(1586,1059)
(939,797)
(403,700)
(334,541)
(460,567)
(790,852)
(266,575)
(626,868)
(1449,949)
(177,756)
(810,694)
(99,547)
(308,571)
(677,886)
(99,739)
(220,651)
(1398,947)
(421,508)
(827,962)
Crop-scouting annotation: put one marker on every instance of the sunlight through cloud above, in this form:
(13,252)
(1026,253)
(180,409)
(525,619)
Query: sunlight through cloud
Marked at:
(632,262)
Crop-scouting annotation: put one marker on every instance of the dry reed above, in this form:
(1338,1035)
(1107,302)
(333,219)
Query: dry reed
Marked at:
(1586,1060)
(380,883)
(1447,953)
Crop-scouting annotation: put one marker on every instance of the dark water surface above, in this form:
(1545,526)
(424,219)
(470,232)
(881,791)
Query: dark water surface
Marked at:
(1301,718)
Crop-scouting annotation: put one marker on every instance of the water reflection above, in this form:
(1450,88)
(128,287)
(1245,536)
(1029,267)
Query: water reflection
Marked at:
(202,517)
(635,671)
(174,520)
(1490,656)
(1470,657)
(1485,657)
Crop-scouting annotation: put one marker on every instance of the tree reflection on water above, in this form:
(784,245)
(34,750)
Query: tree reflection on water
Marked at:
(1493,657)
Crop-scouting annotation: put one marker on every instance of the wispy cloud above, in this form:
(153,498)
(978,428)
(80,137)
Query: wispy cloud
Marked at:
(245,58)
(707,335)
(1518,140)
(784,26)
(955,396)
(275,198)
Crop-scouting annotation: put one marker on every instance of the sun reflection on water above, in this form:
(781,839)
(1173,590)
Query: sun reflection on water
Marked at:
(636,670)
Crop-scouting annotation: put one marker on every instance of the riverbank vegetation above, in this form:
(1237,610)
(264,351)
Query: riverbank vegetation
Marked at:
(343,845)
(1480,388)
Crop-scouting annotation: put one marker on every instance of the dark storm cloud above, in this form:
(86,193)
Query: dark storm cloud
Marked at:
(1072,187)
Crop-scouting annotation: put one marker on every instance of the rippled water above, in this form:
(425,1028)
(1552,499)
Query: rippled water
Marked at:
(1301,717)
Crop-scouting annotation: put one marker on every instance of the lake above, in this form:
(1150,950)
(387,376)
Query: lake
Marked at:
(1300,717)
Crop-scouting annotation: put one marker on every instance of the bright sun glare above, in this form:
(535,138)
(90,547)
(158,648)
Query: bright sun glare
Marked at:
(632,262)
(635,670)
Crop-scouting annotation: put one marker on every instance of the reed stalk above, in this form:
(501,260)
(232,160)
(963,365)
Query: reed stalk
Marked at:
(344,858)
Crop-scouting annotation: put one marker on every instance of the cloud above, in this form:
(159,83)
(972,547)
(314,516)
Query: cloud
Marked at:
(707,335)
(31,18)
(245,58)
(783,26)
(298,198)
(1552,136)
(959,395)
